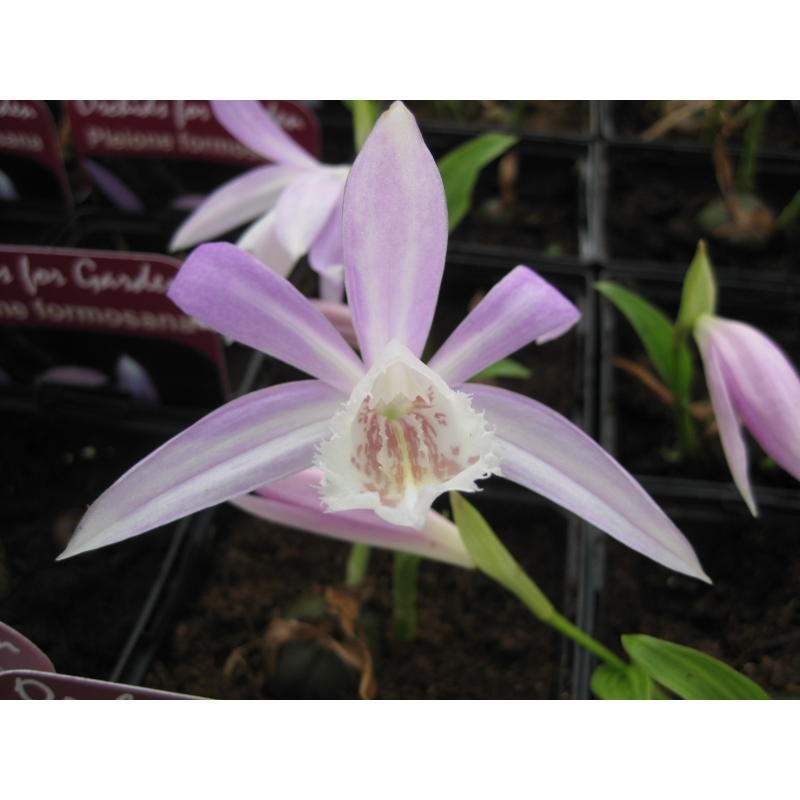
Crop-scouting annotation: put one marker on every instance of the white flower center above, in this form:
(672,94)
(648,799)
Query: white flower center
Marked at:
(403,439)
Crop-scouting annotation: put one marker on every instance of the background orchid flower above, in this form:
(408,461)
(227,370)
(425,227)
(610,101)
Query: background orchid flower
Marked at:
(296,201)
(389,433)
(749,376)
(131,377)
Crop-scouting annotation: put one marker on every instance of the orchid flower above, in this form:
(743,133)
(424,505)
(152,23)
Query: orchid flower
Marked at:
(747,374)
(388,433)
(132,378)
(296,201)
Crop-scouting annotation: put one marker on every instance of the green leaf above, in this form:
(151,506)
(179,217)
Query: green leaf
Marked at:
(699,294)
(689,673)
(460,169)
(365,115)
(609,682)
(789,215)
(657,333)
(491,557)
(504,368)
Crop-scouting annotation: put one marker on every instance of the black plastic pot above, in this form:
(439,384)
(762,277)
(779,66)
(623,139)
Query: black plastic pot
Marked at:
(656,193)
(78,610)
(583,128)
(26,224)
(624,122)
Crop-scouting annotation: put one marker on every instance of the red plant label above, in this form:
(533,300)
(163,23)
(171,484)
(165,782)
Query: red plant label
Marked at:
(176,129)
(23,684)
(92,290)
(27,129)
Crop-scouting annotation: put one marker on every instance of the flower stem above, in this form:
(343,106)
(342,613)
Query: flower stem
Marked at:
(573,632)
(684,425)
(404,596)
(357,564)
(492,558)
(533,597)
(747,165)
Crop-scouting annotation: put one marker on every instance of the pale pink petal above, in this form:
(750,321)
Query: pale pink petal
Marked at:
(295,502)
(133,377)
(234,293)
(113,188)
(395,236)
(521,308)
(730,431)
(74,376)
(746,372)
(249,122)
(304,208)
(258,438)
(261,240)
(339,316)
(547,453)
(234,203)
(326,256)
(8,192)
(332,288)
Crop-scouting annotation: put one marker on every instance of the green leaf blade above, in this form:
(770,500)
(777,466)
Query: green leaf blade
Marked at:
(689,673)
(656,333)
(612,683)
(460,169)
(504,368)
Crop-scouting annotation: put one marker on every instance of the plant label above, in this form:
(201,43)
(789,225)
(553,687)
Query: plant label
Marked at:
(27,132)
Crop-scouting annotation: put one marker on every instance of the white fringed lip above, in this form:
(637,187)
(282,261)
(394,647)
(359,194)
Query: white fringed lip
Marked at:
(402,439)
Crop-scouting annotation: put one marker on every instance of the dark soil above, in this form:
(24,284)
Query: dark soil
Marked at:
(543,217)
(654,198)
(645,426)
(80,611)
(749,618)
(533,116)
(474,639)
(781,129)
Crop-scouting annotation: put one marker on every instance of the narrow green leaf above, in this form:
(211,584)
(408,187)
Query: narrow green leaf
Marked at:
(789,215)
(689,673)
(365,115)
(504,368)
(657,333)
(699,295)
(460,169)
(609,682)
(491,557)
